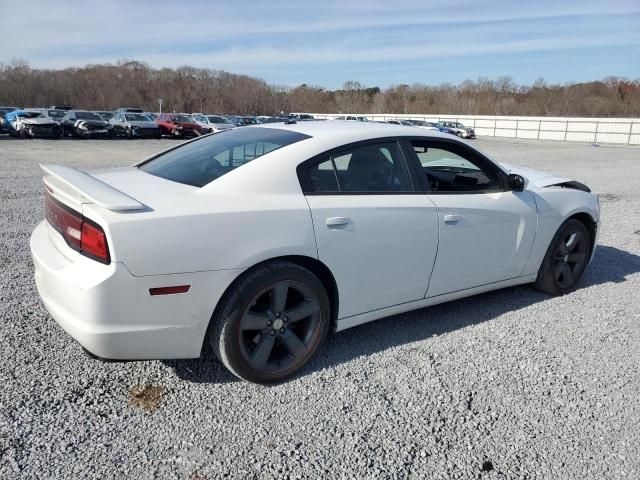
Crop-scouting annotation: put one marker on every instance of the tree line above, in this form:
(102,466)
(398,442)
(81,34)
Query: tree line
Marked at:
(189,89)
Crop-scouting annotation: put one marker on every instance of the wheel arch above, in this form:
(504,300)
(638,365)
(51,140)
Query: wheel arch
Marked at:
(592,227)
(314,265)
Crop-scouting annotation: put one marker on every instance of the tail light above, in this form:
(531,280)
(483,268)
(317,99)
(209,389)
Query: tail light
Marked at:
(80,233)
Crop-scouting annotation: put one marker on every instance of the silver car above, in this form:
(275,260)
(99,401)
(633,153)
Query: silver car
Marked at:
(134,125)
(460,130)
(213,123)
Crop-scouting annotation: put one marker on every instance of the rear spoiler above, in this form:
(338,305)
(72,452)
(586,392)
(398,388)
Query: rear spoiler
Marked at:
(77,187)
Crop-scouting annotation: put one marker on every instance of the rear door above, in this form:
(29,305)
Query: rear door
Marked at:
(486,230)
(376,232)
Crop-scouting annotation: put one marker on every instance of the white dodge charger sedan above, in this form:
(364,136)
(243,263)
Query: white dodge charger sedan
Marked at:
(259,241)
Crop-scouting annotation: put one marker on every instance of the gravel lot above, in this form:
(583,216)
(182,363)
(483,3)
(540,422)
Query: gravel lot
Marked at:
(510,384)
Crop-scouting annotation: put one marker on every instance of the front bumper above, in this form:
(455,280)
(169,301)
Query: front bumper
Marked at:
(110,312)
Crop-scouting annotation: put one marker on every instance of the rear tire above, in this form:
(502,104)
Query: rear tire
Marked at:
(271,322)
(566,259)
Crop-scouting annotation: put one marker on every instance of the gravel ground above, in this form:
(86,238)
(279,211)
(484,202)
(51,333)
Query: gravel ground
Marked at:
(510,384)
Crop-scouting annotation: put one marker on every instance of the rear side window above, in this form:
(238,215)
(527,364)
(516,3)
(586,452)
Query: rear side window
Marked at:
(373,168)
(202,161)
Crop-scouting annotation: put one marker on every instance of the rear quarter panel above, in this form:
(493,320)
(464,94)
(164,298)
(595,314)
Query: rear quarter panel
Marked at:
(205,231)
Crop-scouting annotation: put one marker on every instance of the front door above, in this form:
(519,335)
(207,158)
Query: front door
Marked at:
(486,232)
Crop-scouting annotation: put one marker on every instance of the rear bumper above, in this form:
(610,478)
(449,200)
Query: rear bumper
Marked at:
(111,313)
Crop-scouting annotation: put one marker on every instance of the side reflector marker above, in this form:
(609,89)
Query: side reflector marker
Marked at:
(169,290)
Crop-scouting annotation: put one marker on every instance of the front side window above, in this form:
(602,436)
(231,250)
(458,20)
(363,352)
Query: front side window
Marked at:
(202,161)
(374,168)
(450,169)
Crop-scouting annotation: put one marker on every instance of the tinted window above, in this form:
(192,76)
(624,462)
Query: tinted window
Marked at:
(450,169)
(202,161)
(181,118)
(368,168)
(136,117)
(323,177)
(218,120)
(87,116)
(56,114)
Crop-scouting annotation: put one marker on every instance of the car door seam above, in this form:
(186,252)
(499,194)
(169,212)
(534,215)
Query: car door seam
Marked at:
(435,257)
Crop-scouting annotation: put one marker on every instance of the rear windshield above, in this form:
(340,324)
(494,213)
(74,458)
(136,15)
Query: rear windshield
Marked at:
(202,161)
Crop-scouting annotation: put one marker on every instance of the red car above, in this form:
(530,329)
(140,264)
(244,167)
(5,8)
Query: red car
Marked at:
(178,125)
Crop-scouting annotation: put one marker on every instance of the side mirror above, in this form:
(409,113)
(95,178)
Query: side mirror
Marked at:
(515,182)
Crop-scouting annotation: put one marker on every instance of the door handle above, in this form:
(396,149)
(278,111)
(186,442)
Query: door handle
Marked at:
(452,218)
(337,221)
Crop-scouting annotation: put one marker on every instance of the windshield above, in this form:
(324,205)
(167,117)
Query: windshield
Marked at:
(56,113)
(213,119)
(136,117)
(87,116)
(30,114)
(202,161)
(181,118)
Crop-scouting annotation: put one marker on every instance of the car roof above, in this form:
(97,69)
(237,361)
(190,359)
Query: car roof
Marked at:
(348,132)
(275,172)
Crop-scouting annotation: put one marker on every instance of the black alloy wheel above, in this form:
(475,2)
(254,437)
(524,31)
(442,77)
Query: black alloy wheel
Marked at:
(566,259)
(279,326)
(271,323)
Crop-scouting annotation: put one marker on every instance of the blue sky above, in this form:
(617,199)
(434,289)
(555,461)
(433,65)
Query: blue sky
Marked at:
(329,42)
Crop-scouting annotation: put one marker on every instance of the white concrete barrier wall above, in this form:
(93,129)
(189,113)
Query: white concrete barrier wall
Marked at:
(593,130)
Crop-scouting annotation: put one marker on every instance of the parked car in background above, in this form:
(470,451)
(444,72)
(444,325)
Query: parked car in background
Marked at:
(424,124)
(406,123)
(212,123)
(49,113)
(85,124)
(66,108)
(242,121)
(265,119)
(105,115)
(129,110)
(353,118)
(3,112)
(178,125)
(135,125)
(301,116)
(260,241)
(152,115)
(459,129)
(32,124)
(447,130)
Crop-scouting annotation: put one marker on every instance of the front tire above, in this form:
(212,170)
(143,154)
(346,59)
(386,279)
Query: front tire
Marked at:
(566,259)
(271,323)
